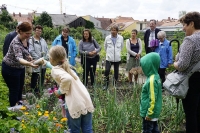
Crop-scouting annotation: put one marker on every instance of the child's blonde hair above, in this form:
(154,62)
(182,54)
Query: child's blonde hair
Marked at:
(58,55)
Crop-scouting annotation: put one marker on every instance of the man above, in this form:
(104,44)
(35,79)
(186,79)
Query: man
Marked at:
(113,45)
(8,39)
(38,48)
(150,34)
(68,43)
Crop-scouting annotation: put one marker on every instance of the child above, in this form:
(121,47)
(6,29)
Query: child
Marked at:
(151,96)
(77,98)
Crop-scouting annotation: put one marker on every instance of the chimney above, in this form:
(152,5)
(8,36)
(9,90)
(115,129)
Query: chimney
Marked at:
(14,14)
(168,18)
(20,14)
(145,20)
(64,13)
(102,16)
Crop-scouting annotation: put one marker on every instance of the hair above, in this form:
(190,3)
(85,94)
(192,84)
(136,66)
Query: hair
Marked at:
(161,33)
(58,55)
(38,27)
(65,29)
(153,20)
(90,35)
(191,17)
(114,27)
(134,30)
(24,27)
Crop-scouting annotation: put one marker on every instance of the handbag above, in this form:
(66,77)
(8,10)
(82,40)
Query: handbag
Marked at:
(176,84)
(97,56)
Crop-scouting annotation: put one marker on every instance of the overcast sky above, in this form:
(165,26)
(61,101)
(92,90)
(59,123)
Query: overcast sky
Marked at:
(138,9)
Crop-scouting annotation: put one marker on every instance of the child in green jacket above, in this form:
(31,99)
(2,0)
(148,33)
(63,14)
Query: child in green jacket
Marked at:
(151,96)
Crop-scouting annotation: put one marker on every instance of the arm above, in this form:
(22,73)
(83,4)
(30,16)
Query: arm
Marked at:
(74,48)
(105,44)
(185,55)
(128,48)
(32,49)
(122,45)
(81,48)
(54,43)
(140,46)
(98,48)
(169,55)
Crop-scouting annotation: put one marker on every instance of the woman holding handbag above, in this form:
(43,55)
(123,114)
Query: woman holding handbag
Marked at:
(89,49)
(186,59)
(134,49)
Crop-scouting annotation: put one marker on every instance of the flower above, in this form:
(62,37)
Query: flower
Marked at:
(47,115)
(46,112)
(63,119)
(54,118)
(23,108)
(39,113)
(22,120)
(26,113)
(23,126)
(37,106)
(59,125)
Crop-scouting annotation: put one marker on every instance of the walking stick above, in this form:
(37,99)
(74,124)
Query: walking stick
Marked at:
(176,40)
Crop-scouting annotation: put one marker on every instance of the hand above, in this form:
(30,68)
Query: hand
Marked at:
(56,93)
(30,58)
(32,64)
(137,56)
(147,118)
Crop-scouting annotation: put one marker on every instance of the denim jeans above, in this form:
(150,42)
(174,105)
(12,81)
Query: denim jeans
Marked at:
(83,123)
(149,126)
(14,79)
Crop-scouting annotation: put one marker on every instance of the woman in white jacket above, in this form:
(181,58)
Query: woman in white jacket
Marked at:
(78,102)
(134,50)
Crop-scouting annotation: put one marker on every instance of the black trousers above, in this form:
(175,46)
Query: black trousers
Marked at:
(191,104)
(35,80)
(148,50)
(161,73)
(107,70)
(14,79)
(89,67)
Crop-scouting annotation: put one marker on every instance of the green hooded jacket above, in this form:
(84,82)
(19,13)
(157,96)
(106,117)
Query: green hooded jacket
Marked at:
(151,96)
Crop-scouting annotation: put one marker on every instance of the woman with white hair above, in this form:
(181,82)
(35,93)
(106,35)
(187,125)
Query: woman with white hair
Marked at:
(165,51)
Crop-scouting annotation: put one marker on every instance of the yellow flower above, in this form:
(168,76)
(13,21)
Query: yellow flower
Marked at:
(39,113)
(37,106)
(47,115)
(23,126)
(22,120)
(59,125)
(63,119)
(54,118)
(26,113)
(46,112)
(23,108)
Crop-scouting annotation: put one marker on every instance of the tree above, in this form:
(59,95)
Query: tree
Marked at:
(181,13)
(126,35)
(7,21)
(44,20)
(89,25)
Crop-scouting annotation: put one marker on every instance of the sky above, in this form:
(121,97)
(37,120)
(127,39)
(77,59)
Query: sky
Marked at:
(137,9)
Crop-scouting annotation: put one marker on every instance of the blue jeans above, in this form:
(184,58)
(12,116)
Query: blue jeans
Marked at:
(83,123)
(149,126)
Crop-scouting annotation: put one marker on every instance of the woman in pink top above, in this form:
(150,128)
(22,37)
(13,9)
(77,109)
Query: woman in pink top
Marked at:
(77,98)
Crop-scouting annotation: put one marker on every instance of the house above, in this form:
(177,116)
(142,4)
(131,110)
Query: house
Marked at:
(140,25)
(66,20)
(97,25)
(105,22)
(22,17)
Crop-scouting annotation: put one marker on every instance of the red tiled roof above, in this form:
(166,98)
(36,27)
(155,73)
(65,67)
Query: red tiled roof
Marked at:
(22,18)
(105,22)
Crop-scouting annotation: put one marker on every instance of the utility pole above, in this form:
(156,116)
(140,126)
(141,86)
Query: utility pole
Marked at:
(61,6)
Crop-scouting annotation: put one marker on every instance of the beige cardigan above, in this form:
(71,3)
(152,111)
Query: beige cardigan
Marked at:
(130,52)
(77,97)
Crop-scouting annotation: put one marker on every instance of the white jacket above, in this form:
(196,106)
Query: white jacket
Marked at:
(113,52)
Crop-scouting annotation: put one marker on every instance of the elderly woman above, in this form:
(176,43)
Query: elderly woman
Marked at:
(188,56)
(13,65)
(89,47)
(134,49)
(165,52)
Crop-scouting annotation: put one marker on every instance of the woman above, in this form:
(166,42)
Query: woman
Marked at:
(88,48)
(134,49)
(165,52)
(77,98)
(13,65)
(188,56)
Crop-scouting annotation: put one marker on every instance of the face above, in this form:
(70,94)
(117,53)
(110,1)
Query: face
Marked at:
(188,29)
(25,35)
(161,38)
(65,34)
(38,32)
(86,35)
(114,32)
(152,25)
(133,34)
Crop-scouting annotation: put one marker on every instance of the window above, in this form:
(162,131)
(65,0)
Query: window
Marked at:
(140,26)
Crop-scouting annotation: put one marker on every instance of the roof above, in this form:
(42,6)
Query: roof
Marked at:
(21,17)
(171,23)
(60,19)
(121,26)
(105,22)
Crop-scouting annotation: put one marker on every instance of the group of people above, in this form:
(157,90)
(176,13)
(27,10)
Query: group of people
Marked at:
(24,49)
